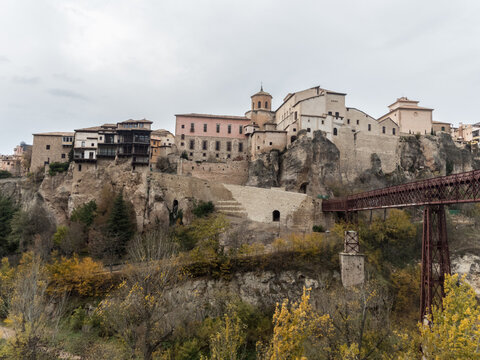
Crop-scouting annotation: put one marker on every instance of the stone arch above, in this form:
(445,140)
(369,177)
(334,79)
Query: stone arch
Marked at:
(276,215)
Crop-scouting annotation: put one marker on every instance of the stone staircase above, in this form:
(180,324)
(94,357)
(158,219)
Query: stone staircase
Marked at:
(231,208)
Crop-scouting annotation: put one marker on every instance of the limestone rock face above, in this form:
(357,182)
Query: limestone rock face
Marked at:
(468,264)
(310,165)
(264,171)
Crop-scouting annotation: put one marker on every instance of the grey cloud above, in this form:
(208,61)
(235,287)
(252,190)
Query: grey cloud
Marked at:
(67,93)
(67,78)
(26,80)
(4,59)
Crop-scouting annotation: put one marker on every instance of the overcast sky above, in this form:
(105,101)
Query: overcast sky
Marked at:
(67,64)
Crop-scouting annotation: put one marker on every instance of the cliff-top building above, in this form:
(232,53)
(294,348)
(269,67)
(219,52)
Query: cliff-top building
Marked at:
(411,118)
(162,143)
(129,139)
(50,147)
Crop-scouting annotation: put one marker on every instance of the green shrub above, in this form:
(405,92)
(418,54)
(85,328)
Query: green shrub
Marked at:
(318,228)
(4,174)
(85,213)
(184,155)
(203,209)
(57,167)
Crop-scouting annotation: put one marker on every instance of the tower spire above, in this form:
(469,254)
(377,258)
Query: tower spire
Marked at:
(261,85)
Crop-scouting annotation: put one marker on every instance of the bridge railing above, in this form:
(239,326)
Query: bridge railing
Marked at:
(451,189)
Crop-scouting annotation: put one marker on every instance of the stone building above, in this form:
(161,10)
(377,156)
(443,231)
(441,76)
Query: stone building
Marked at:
(127,139)
(411,118)
(211,137)
(438,126)
(50,147)
(162,143)
(18,163)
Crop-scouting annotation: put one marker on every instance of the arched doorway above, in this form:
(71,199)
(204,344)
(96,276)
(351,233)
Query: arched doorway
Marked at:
(303,187)
(276,215)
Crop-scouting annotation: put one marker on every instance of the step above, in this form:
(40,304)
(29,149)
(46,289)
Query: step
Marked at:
(227,207)
(233,213)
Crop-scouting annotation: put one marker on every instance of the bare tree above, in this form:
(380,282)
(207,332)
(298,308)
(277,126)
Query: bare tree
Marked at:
(32,312)
(138,309)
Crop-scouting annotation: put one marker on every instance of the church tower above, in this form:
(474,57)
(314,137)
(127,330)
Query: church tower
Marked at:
(261,100)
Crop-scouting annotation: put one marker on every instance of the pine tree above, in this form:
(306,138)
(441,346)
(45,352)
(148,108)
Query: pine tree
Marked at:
(7,210)
(120,226)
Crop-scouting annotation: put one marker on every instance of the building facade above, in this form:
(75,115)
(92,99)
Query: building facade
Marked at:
(50,147)
(162,143)
(411,118)
(129,139)
(205,137)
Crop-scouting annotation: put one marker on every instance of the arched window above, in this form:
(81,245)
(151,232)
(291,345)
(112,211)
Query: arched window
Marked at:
(335,131)
(303,188)
(276,215)
(259,104)
(266,104)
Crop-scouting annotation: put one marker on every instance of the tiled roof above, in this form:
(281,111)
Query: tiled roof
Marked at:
(210,116)
(57,133)
(136,121)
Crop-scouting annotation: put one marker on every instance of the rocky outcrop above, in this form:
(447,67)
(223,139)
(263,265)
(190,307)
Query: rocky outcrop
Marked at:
(310,165)
(264,171)
(469,265)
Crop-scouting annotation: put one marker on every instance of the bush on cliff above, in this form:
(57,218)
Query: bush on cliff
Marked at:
(57,167)
(4,174)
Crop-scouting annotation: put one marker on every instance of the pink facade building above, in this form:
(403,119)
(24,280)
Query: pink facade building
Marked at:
(210,137)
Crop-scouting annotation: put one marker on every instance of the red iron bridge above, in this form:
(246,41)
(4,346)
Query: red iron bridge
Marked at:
(433,194)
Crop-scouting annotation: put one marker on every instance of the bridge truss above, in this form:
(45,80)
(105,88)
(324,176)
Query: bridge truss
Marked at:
(434,194)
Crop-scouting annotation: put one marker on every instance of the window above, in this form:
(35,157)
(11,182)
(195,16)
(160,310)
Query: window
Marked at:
(79,167)
(63,156)
(393,131)
(383,129)
(204,145)
(229,146)
(240,129)
(276,215)
(47,147)
(443,128)
(192,144)
(204,154)
(358,122)
(335,131)
(217,145)
(348,121)
(183,126)
(369,127)
(182,144)
(271,143)
(83,143)
(204,127)
(218,128)
(228,156)
(266,104)
(329,113)
(294,129)
(192,127)
(308,129)
(323,122)
(182,136)
(259,104)
(295,115)
(240,147)
(337,114)
(93,144)
(229,129)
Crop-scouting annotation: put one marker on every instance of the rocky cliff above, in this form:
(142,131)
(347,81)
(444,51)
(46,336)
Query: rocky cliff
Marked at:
(313,165)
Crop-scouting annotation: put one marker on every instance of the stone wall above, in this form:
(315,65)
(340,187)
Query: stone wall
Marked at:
(356,151)
(297,211)
(228,172)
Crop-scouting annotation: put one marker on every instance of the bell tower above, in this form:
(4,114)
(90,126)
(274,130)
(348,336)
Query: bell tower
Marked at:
(262,100)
